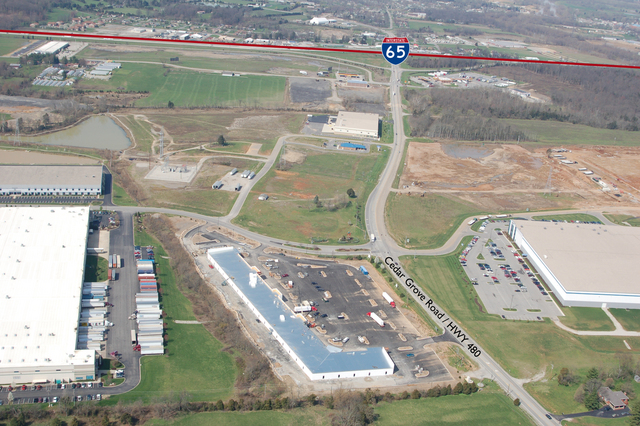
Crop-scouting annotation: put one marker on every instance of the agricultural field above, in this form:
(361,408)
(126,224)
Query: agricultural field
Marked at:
(292,211)
(428,221)
(196,363)
(192,89)
(534,346)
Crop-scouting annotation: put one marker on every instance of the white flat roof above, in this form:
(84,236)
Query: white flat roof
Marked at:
(587,257)
(42,255)
(357,121)
(50,176)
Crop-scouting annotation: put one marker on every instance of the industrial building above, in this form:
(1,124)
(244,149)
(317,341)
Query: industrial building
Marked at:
(583,264)
(53,47)
(317,360)
(356,124)
(51,180)
(41,287)
(348,146)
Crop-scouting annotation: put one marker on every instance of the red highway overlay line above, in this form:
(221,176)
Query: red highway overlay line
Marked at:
(323,49)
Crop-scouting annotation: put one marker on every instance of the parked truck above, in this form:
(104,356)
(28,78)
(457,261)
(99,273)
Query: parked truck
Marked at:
(389,299)
(300,309)
(376,318)
(373,238)
(364,270)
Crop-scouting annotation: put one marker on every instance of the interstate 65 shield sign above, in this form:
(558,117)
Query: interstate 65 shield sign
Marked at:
(395,49)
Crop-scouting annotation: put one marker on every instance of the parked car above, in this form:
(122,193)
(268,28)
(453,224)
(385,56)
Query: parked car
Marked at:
(286,275)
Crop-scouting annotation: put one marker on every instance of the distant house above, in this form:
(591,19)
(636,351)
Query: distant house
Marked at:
(614,399)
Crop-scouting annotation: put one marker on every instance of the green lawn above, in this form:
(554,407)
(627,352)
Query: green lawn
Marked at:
(95,269)
(298,416)
(9,43)
(629,319)
(290,213)
(203,201)
(190,89)
(482,408)
(532,346)
(427,221)
(554,132)
(193,360)
(623,219)
(121,198)
(569,217)
(586,319)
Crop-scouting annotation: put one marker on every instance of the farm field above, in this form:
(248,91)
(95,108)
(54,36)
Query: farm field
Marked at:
(428,221)
(291,213)
(192,89)
(533,347)
(196,363)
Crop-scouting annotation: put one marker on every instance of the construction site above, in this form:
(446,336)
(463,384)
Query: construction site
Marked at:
(515,177)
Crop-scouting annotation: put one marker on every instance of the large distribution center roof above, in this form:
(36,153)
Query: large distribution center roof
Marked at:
(357,121)
(586,257)
(42,254)
(318,357)
(49,176)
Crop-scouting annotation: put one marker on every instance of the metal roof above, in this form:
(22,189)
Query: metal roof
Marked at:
(318,357)
(23,177)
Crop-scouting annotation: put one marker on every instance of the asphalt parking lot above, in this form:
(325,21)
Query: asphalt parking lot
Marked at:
(354,296)
(504,283)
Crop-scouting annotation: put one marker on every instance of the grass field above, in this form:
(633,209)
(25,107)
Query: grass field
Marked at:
(623,219)
(95,269)
(569,217)
(629,319)
(586,319)
(522,348)
(10,43)
(489,407)
(307,416)
(290,213)
(596,421)
(194,361)
(192,89)
(203,201)
(427,221)
(141,132)
(121,198)
(553,132)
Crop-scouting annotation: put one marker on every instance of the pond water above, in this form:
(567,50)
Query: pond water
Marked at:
(99,132)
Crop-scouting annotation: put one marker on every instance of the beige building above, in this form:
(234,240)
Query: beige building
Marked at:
(355,124)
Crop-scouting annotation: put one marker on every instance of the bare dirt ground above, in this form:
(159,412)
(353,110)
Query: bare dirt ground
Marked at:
(293,156)
(512,177)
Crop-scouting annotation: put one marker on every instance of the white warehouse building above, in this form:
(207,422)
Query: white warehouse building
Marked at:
(51,180)
(317,360)
(41,283)
(583,264)
(355,124)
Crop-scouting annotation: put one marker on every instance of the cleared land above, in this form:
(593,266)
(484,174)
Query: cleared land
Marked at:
(192,89)
(428,221)
(196,363)
(291,213)
(533,346)
(557,133)
(240,128)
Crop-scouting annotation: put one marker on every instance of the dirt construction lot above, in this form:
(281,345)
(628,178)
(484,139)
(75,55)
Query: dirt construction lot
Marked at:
(497,171)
